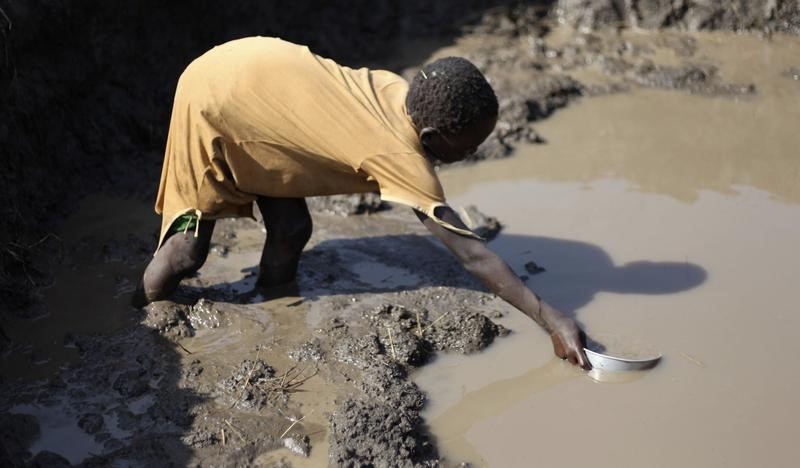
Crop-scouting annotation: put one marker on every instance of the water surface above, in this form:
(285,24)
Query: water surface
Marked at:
(664,217)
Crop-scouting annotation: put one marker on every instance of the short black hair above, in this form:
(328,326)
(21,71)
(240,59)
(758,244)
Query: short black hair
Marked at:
(450,94)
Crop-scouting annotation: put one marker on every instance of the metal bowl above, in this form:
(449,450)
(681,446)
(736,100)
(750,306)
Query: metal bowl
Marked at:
(605,362)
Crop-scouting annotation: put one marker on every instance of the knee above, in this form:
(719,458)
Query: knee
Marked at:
(186,254)
(304,230)
(196,259)
(295,234)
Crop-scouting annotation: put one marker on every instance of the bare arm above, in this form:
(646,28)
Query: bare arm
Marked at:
(501,280)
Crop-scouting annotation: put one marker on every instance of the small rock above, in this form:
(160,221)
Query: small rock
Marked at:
(298,444)
(193,370)
(200,438)
(220,250)
(534,268)
(308,351)
(495,314)
(91,423)
(131,383)
(111,445)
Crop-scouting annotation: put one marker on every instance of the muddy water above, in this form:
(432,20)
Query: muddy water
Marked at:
(661,217)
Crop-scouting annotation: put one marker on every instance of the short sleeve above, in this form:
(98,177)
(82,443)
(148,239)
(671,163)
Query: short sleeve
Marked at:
(410,179)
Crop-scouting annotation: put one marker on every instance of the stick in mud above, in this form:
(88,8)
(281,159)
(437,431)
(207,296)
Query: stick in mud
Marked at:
(238,431)
(295,422)
(391,343)
(247,379)
(183,348)
(434,322)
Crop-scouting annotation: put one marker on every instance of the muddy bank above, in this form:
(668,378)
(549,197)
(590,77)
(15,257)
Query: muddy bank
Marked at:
(220,381)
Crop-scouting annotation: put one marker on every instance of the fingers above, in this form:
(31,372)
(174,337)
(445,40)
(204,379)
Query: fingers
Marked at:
(558,346)
(572,352)
(583,361)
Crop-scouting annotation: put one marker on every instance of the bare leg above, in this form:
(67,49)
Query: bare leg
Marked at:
(181,256)
(289,227)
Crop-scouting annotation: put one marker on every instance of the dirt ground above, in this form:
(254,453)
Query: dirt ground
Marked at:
(319,375)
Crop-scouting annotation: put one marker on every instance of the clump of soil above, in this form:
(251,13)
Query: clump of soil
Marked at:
(346,205)
(169,318)
(380,423)
(247,388)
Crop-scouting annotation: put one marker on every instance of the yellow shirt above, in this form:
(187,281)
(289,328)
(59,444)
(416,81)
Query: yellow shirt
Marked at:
(262,116)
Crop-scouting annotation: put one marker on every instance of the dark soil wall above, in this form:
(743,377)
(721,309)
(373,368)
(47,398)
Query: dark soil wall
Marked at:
(86,90)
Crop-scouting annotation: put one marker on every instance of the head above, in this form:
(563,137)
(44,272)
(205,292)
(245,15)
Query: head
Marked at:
(453,107)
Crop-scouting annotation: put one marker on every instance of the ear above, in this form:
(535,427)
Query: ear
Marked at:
(426,134)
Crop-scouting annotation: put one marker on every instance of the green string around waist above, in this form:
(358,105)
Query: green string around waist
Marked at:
(184,223)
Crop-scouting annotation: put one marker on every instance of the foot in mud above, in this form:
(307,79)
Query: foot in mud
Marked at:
(180,256)
(267,293)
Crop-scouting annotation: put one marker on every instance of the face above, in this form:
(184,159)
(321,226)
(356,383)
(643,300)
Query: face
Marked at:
(450,148)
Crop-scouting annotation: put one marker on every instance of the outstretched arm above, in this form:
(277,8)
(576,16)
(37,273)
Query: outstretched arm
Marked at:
(500,279)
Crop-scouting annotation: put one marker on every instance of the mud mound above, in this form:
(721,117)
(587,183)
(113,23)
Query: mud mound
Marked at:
(380,425)
(368,433)
(733,15)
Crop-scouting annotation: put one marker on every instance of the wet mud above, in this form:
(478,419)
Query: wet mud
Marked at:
(216,379)
(322,374)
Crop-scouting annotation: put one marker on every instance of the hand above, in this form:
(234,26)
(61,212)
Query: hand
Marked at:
(568,340)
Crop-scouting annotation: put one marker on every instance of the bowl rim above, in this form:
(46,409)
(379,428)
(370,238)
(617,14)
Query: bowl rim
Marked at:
(621,359)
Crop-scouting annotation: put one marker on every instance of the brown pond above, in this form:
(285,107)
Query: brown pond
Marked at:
(665,219)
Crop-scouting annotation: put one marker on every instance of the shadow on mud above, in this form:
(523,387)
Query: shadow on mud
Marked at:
(574,271)
(123,400)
